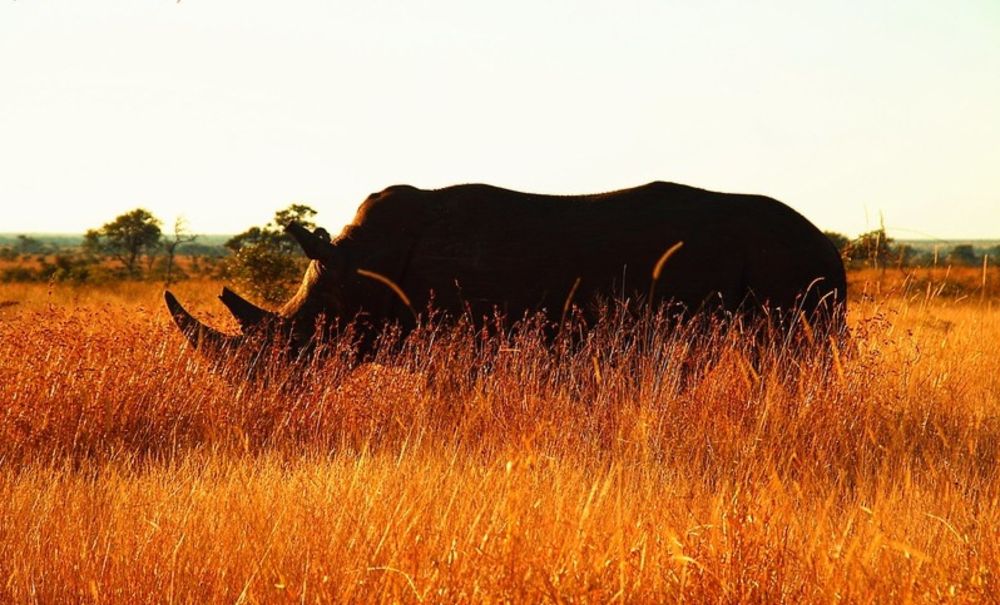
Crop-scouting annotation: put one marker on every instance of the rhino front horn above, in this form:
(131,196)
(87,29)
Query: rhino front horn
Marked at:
(198,334)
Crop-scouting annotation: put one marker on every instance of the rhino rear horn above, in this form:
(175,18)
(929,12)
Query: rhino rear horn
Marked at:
(198,334)
(246,313)
(316,244)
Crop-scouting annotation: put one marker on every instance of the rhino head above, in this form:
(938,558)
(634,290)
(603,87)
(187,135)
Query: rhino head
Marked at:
(297,326)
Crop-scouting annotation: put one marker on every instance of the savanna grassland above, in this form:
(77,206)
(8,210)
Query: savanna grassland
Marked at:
(690,469)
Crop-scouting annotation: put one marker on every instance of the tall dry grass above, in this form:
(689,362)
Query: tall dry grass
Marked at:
(688,468)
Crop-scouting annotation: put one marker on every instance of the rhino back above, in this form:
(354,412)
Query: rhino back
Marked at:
(478,247)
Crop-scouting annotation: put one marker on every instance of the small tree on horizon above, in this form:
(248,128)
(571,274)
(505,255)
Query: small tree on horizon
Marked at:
(180,236)
(126,239)
(874,248)
(964,254)
(29,245)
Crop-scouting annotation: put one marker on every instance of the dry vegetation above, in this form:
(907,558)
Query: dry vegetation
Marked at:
(131,472)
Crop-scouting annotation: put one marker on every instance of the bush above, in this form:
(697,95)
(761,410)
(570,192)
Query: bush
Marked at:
(266,262)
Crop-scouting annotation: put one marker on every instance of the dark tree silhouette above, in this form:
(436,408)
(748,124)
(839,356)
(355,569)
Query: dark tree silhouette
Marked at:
(180,236)
(874,248)
(127,238)
(964,254)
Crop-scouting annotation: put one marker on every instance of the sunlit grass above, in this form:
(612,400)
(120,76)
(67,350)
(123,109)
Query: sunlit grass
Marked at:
(689,470)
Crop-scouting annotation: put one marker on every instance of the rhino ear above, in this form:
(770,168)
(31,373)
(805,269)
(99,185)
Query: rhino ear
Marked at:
(316,244)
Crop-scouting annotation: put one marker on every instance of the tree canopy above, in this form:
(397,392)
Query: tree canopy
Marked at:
(127,238)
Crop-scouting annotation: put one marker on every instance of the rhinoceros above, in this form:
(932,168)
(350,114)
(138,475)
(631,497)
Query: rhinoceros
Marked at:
(482,250)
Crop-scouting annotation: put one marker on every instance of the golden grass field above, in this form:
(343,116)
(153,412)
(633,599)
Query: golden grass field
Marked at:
(131,472)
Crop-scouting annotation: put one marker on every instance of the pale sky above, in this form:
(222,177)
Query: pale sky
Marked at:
(225,111)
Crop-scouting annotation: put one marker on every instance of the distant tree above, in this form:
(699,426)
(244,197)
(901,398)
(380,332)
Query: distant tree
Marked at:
(266,261)
(67,267)
(994,254)
(29,245)
(200,249)
(18,273)
(127,239)
(180,236)
(964,254)
(873,248)
(909,256)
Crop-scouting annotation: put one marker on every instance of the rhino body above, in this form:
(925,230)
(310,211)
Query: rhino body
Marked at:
(484,250)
